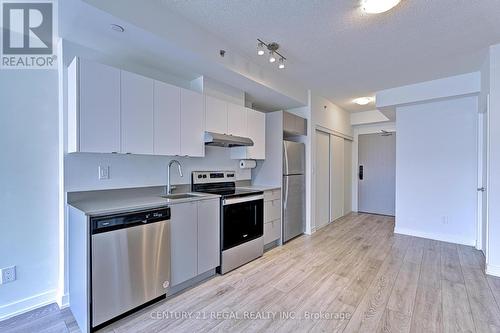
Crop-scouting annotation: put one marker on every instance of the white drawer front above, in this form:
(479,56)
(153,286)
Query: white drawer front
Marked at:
(272,231)
(272,210)
(272,194)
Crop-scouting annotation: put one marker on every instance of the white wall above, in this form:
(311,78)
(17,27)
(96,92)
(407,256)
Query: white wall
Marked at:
(367,117)
(81,170)
(436,170)
(29,187)
(493,260)
(458,85)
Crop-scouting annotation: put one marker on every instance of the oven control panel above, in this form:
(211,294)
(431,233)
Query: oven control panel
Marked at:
(203,177)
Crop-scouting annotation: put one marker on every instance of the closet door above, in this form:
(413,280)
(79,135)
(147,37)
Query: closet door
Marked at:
(336,177)
(322,216)
(347,176)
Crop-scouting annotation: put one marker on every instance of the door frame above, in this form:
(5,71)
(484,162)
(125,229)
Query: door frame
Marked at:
(357,131)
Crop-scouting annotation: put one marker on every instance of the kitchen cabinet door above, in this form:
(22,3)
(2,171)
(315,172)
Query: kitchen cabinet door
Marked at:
(256,130)
(192,124)
(236,120)
(256,124)
(94,107)
(215,115)
(183,241)
(136,114)
(208,235)
(167,119)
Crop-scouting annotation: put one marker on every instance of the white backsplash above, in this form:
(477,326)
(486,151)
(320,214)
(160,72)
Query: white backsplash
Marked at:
(125,171)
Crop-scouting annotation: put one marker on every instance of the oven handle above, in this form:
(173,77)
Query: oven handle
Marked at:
(232,201)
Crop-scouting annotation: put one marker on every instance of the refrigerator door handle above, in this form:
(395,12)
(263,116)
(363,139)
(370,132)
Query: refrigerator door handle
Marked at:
(285,157)
(285,192)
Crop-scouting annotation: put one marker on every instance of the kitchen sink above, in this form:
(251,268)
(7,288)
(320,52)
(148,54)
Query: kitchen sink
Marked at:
(180,196)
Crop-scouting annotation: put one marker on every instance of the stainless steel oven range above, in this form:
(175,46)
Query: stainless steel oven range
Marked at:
(242,217)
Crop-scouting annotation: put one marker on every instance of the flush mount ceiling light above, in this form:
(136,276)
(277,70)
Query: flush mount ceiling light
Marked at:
(363,100)
(273,52)
(378,6)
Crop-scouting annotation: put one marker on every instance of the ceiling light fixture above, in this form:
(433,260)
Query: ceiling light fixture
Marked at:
(260,49)
(117,27)
(363,100)
(378,6)
(281,64)
(273,52)
(272,58)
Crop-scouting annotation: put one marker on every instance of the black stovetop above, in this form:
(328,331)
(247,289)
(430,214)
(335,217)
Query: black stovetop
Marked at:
(226,190)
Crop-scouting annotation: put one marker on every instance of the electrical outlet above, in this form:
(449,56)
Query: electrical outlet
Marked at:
(8,274)
(103,172)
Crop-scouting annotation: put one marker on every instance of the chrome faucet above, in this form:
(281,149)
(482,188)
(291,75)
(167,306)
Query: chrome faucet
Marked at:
(169,187)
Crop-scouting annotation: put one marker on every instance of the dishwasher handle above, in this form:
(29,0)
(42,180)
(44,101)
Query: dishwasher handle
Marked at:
(113,222)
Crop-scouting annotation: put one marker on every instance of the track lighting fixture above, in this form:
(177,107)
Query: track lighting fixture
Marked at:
(260,49)
(281,65)
(273,52)
(272,58)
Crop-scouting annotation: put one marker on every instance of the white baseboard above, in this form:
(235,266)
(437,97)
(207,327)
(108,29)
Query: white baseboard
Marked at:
(63,301)
(438,237)
(493,270)
(27,304)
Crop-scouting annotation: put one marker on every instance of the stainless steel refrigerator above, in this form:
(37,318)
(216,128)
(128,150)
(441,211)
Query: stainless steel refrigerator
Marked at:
(294,187)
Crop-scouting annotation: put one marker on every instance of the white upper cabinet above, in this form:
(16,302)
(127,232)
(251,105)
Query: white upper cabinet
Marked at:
(236,120)
(192,123)
(93,107)
(167,119)
(256,130)
(256,125)
(215,115)
(136,114)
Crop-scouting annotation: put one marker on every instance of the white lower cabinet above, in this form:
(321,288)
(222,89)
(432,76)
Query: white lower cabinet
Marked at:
(208,235)
(195,238)
(183,241)
(272,231)
(272,215)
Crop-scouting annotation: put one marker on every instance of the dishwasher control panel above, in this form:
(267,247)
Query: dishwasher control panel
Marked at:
(126,220)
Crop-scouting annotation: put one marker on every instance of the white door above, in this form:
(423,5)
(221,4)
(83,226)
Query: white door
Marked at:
(336,177)
(136,113)
(236,120)
(322,179)
(377,174)
(99,106)
(215,115)
(167,119)
(482,197)
(192,124)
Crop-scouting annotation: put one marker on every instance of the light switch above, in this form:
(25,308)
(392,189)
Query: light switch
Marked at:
(103,172)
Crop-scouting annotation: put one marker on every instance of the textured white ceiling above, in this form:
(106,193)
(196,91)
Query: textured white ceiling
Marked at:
(342,53)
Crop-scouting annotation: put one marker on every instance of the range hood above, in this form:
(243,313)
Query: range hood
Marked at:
(224,140)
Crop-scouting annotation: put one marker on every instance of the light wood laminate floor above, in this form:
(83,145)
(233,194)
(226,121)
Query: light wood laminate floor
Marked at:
(354,275)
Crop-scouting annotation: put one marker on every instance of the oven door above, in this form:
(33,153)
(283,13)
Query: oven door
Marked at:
(242,220)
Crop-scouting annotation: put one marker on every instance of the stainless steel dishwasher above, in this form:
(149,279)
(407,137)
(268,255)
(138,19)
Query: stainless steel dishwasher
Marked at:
(130,262)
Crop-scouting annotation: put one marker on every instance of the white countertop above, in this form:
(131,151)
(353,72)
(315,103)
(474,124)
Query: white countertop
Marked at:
(115,201)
